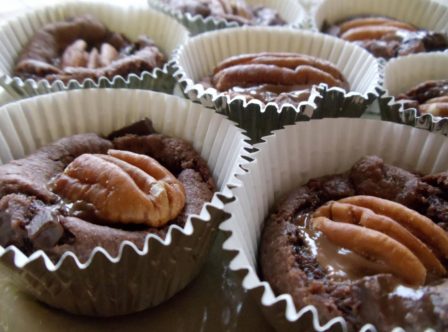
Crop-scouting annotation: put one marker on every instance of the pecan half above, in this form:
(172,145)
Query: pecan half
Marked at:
(374,21)
(108,54)
(375,245)
(287,69)
(371,28)
(434,108)
(75,55)
(405,230)
(368,32)
(350,213)
(123,187)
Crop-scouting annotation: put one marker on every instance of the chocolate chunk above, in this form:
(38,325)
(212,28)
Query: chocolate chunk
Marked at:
(44,229)
(14,215)
(139,128)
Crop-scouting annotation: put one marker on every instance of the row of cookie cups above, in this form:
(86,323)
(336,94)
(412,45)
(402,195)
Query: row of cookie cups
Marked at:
(427,14)
(402,74)
(196,59)
(138,277)
(298,152)
(132,21)
(289,158)
(290,10)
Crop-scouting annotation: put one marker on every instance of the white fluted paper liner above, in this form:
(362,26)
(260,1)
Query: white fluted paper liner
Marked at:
(290,10)
(132,21)
(200,55)
(400,75)
(425,14)
(135,279)
(289,158)
(5,97)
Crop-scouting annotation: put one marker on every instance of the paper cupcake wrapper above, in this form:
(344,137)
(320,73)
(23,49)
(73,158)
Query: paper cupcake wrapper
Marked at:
(289,158)
(5,97)
(425,14)
(290,10)
(135,279)
(199,56)
(403,73)
(129,20)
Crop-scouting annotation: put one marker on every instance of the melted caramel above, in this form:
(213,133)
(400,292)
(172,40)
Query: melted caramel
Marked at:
(339,263)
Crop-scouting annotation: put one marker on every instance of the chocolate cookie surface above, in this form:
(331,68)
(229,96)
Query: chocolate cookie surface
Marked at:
(301,260)
(33,216)
(386,37)
(82,47)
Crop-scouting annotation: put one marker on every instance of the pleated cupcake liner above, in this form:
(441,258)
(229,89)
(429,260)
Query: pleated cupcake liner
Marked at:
(289,158)
(197,58)
(403,73)
(137,278)
(132,21)
(290,10)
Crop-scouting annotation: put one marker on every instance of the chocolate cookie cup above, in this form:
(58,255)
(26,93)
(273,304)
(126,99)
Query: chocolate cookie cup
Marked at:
(387,28)
(201,54)
(405,73)
(288,159)
(131,21)
(289,11)
(133,275)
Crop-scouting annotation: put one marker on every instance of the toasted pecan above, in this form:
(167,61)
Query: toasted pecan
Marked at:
(349,213)
(123,187)
(374,21)
(375,245)
(422,227)
(287,69)
(437,109)
(368,32)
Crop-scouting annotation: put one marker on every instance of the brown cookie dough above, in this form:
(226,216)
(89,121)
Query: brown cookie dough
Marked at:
(430,97)
(82,47)
(33,216)
(299,259)
(274,76)
(386,37)
(239,12)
